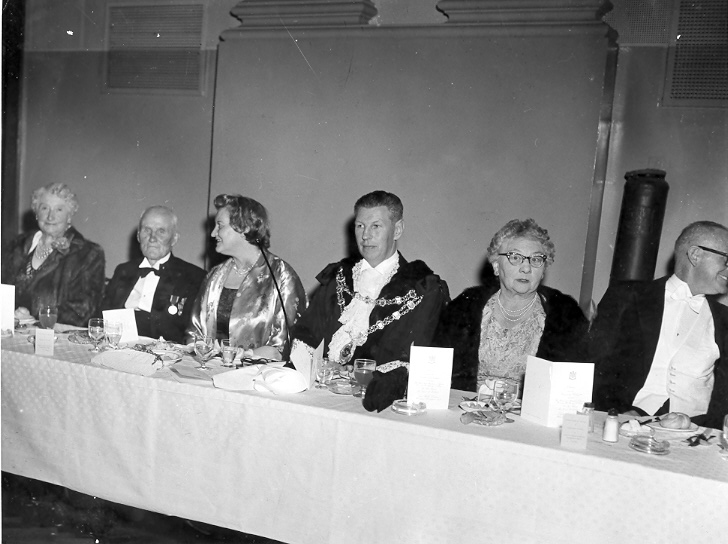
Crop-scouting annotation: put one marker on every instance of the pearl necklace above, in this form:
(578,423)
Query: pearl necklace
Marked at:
(42,253)
(241,271)
(514,316)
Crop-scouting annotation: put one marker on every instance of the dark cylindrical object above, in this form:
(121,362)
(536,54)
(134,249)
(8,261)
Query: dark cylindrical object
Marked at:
(640,225)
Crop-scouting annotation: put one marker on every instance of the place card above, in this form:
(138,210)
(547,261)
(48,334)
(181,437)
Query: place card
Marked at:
(430,372)
(7,307)
(307,364)
(553,389)
(125,316)
(574,431)
(44,341)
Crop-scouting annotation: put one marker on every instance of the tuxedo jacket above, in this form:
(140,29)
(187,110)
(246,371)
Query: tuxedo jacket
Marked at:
(177,278)
(623,339)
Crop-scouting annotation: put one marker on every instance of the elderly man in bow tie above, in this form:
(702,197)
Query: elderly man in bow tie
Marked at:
(160,288)
(662,346)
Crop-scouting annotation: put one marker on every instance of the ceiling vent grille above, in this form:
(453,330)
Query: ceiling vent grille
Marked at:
(697,68)
(641,22)
(155,48)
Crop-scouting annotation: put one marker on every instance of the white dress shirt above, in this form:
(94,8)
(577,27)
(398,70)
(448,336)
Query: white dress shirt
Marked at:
(682,367)
(142,296)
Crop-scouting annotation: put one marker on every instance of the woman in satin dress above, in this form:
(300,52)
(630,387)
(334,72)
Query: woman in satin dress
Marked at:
(238,299)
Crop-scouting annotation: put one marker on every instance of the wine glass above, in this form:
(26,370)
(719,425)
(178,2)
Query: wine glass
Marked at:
(505,393)
(113,332)
(228,352)
(95,332)
(363,374)
(324,373)
(203,349)
(47,315)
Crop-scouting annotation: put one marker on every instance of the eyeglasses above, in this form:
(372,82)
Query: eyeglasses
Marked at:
(716,252)
(515,258)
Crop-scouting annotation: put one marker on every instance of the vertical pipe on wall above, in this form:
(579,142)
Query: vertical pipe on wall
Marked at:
(599,178)
(640,225)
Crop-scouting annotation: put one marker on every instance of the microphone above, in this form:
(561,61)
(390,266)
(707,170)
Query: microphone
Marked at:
(257,241)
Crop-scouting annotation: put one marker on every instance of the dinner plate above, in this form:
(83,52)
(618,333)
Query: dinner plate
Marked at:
(647,431)
(659,428)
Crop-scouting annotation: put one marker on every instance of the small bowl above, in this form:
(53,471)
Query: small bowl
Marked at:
(647,444)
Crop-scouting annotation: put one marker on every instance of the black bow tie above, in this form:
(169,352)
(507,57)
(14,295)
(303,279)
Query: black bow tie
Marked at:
(144,271)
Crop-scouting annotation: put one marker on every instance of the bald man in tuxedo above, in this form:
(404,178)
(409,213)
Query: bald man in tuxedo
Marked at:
(662,346)
(160,287)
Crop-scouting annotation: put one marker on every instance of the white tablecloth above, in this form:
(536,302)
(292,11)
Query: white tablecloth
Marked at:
(315,467)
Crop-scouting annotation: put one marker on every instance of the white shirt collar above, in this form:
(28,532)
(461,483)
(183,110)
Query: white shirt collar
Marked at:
(385,267)
(145,263)
(677,289)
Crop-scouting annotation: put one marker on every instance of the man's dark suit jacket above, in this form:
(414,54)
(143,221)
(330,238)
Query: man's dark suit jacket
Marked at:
(177,278)
(623,339)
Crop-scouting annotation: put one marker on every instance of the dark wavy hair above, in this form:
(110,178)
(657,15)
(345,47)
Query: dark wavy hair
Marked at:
(246,213)
(382,198)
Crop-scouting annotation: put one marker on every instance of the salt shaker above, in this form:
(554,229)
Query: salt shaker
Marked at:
(589,410)
(611,427)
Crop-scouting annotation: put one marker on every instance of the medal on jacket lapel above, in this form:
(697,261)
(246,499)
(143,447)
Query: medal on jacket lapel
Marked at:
(175,305)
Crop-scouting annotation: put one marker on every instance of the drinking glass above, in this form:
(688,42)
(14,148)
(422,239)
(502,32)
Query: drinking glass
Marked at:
(724,434)
(228,352)
(113,331)
(96,332)
(47,315)
(363,374)
(203,348)
(505,392)
(324,373)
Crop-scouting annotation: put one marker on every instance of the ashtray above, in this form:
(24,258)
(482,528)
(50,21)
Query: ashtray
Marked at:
(647,444)
(340,387)
(403,406)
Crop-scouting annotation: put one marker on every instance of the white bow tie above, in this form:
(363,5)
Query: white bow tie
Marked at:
(694,301)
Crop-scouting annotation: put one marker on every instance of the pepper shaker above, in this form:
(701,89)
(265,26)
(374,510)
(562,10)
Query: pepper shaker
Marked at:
(589,410)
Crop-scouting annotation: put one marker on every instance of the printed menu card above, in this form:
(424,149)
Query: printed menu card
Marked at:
(429,376)
(125,316)
(553,389)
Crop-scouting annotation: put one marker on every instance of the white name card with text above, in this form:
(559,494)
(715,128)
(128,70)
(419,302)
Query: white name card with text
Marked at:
(125,316)
(429,376)
(44,340)
(553,389)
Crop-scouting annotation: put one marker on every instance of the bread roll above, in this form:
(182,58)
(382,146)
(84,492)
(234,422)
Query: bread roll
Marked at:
(22,313)
(676,420)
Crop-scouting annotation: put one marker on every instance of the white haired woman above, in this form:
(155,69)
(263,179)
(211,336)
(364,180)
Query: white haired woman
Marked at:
(56,265)
(494,327)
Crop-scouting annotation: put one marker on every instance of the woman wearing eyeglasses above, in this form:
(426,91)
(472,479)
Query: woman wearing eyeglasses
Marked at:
(493,328)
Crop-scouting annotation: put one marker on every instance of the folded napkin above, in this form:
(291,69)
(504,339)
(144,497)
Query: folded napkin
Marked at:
(129,360)
(281,381)
(237,380)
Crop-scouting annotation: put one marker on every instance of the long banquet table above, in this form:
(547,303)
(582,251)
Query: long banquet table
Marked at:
(316,467)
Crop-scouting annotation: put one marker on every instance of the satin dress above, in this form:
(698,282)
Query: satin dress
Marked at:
(256,318)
